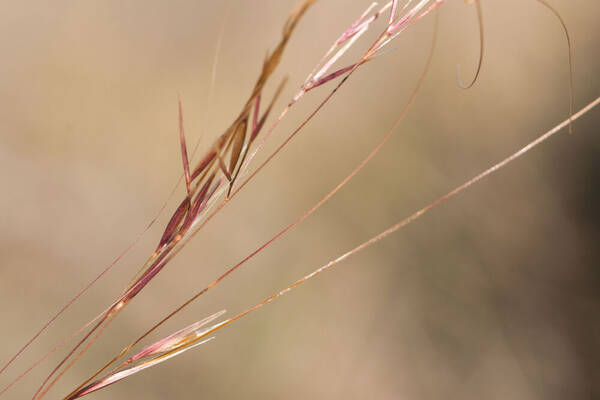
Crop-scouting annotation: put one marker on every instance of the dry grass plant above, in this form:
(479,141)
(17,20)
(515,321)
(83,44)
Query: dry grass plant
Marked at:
(226,167)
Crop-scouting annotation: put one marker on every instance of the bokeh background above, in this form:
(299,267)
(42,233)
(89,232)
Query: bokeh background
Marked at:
(495,294)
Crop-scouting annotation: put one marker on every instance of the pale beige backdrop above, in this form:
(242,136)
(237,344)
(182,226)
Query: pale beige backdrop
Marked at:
(493,295)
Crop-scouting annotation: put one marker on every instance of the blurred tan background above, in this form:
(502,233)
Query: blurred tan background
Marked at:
(495,294)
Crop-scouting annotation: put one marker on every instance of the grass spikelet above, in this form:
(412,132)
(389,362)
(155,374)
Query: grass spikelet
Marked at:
(174,344)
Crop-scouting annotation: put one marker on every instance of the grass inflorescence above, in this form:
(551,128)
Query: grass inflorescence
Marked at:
(224,170)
